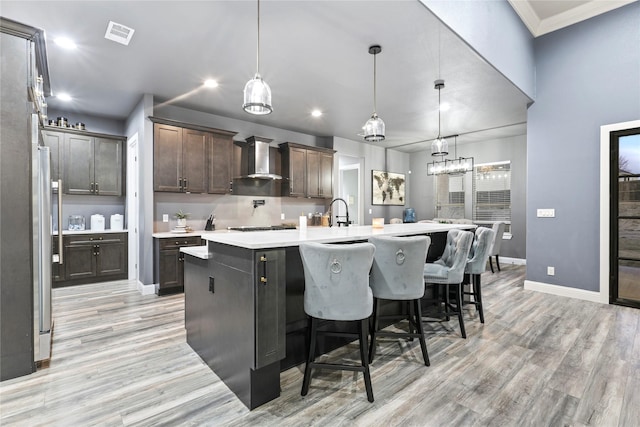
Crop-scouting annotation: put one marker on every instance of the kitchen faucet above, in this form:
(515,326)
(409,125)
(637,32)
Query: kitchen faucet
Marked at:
(346,222)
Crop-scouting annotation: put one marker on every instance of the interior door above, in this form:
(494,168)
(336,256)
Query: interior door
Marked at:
(625,218)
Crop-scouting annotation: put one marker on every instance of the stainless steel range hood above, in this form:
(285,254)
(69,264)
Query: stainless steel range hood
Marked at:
(258,158)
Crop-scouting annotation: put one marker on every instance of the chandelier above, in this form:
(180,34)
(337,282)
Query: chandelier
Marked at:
(456,166)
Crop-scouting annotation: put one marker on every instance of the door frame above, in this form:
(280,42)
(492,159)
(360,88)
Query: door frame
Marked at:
(132,209)
(605,216)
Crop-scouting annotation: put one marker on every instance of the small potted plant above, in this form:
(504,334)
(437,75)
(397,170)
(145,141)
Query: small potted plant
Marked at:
(182,218)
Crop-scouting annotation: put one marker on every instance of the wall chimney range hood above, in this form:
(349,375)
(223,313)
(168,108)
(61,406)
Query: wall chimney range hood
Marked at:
(258,158)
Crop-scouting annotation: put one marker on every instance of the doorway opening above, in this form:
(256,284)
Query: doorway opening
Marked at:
(350,187)
(624,187)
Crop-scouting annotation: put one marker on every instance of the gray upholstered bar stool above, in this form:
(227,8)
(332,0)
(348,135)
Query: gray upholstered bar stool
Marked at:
(397,274)
(449,270)
(336,287)
(477,264)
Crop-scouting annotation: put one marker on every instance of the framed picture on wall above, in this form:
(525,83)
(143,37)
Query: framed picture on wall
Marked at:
(387,188)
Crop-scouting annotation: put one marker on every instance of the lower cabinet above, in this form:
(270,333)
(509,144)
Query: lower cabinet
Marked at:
(169,263)
(89,258)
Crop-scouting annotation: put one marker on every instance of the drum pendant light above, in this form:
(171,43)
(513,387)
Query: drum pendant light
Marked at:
(374,127)
(257,93)
(439,146)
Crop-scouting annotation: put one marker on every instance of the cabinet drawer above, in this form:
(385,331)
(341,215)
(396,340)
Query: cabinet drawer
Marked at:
(177,242)
(86,239)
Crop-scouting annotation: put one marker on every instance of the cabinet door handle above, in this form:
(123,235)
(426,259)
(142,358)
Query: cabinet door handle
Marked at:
(91,188)
(263,278)
(180,183)
(97,188)
(186,184)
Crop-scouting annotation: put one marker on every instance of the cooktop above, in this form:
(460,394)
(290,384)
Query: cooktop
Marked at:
(262,228)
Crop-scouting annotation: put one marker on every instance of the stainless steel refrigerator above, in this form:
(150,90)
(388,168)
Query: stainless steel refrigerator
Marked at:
(42,240)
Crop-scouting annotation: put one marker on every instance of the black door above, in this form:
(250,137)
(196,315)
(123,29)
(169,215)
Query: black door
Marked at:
(625,218)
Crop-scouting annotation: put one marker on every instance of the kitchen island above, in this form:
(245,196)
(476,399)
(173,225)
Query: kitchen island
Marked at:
(244,310)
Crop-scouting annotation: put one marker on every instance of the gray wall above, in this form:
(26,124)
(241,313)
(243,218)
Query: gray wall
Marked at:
(376,158)
(588,75)
(137,122)
(512,149)
(496,32)
(92,123)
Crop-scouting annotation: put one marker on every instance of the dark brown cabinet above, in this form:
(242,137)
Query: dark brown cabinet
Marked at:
(180,159)
(91,258)
(169,263)
(307,171)
(87,163)
(220,164)
(191,159)
(55,142)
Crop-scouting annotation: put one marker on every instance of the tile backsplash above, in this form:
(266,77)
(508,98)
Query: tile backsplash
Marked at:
(230,210)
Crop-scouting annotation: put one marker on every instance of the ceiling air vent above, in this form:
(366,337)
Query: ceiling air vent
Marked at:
(119,33)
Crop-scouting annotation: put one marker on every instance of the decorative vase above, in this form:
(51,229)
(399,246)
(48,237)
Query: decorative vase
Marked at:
(182,222)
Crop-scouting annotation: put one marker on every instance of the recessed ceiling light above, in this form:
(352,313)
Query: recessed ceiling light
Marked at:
(65,43)
(210,83)
(445,106)
(63,97)
(316,113)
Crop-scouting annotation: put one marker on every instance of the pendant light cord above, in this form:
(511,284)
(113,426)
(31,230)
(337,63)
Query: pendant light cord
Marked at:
(439,111)
(258,52)
(374,85)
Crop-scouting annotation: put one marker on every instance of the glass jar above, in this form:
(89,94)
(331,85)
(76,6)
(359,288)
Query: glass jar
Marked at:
(76,222)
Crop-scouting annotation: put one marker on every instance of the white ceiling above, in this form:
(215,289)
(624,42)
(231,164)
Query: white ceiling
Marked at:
(314,54)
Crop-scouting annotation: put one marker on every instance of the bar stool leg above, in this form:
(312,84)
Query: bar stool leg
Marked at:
(418,320)
(447,304)
(491,263)
(311,351)
(478,295)
(459,308)
(362,329)
(498,262)
(374,328)
(410,317)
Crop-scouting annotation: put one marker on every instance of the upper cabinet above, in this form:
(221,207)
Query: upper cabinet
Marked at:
(88,164)
(190,158)
(307,171)
(220,164)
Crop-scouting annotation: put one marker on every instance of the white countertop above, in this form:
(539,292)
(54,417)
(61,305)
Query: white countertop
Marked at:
(170,234)
(201,252)
(286,238)
(71,232)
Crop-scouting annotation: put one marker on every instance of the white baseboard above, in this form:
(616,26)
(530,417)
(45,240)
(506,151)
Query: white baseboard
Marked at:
(514,261)
(146,289)
(563,291)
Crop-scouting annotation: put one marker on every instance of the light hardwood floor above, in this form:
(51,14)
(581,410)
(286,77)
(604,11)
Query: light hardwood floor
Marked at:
(120,358)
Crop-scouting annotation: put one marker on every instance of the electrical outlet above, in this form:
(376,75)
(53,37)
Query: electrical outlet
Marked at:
(282,216)
(551,271)
(546,213)
(165,217)
(370,211)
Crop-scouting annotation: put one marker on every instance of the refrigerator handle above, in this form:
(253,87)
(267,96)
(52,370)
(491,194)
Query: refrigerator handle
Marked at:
(60,243)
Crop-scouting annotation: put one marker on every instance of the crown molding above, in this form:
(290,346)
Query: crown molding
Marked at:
(539,27)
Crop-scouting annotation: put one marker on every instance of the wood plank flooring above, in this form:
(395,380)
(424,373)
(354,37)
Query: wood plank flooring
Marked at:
(121,359)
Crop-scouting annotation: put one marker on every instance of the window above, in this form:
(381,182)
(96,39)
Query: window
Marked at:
(449,196)
(492,193)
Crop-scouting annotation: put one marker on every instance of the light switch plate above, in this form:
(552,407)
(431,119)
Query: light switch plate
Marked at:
(165,217)
(546,213)
(551,271)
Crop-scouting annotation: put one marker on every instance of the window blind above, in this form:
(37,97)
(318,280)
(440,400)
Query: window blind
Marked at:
(492,192)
